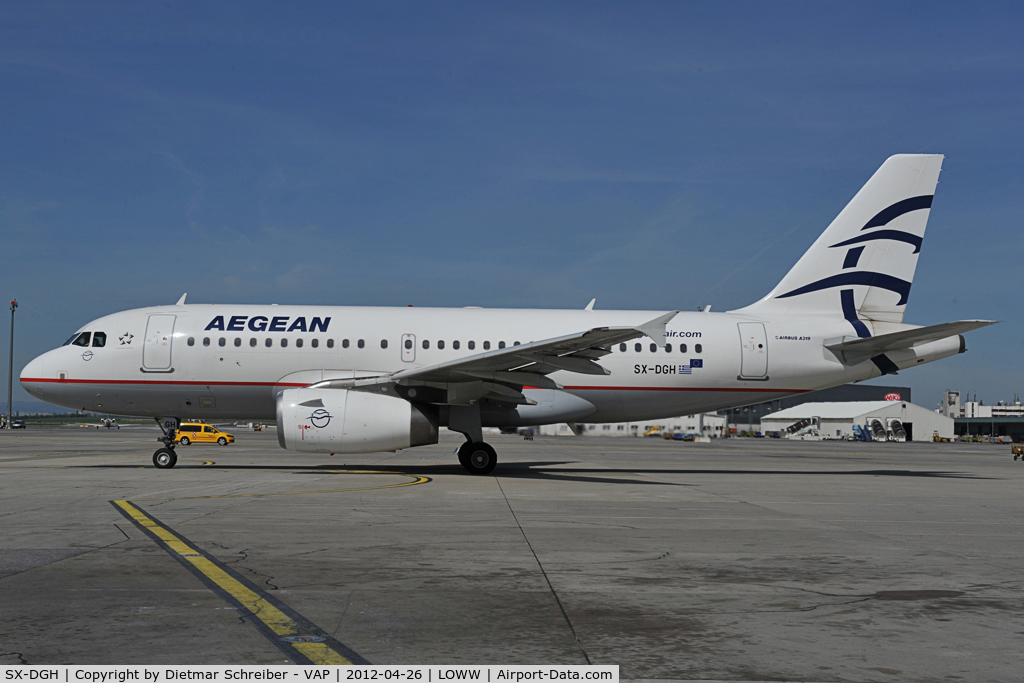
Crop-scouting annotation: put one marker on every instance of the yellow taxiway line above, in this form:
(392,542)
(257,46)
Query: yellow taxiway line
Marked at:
(300,639)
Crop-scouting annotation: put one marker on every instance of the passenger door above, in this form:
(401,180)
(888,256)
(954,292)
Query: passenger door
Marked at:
(156,350)
(753,351)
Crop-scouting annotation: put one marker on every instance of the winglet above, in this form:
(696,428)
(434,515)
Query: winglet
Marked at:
(590,306)
(181,301)
(655,329)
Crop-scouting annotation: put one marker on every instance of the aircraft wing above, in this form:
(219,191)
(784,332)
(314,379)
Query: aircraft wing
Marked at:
(502,373)
(527,364)
(906,339)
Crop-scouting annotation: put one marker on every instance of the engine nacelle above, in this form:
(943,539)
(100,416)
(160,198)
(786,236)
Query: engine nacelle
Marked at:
(346,421)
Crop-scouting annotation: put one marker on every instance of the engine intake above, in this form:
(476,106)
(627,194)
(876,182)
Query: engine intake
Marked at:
(346,421)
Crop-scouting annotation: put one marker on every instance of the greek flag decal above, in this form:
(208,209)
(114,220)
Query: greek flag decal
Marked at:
(688,369)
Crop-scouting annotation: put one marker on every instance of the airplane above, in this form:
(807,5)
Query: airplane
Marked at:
(370,379)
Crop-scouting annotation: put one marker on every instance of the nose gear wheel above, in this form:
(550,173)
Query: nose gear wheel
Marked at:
(165,458)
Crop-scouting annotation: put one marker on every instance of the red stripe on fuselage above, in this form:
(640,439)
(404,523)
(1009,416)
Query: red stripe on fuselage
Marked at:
(740,389)
(293,384)
(162,382)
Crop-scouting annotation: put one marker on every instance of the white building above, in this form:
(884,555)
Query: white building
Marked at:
(951,407)
(836,420)
(708,424)
(976,409)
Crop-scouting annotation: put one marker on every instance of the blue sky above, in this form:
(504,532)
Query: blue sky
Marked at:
(651,155)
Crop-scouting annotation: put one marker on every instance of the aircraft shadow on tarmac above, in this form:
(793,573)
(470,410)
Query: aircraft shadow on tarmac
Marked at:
(599,475)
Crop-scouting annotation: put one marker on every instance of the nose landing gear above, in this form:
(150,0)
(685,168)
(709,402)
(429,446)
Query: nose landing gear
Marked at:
(165,458)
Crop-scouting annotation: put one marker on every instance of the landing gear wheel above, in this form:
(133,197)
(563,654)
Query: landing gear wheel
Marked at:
(165,458)
(222,441)
(478,458)
(185,441)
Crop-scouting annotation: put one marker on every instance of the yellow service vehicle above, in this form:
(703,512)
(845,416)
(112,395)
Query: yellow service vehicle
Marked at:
(200,432)
(1018,450)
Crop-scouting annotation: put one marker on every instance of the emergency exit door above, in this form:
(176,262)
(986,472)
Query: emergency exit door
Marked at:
(753,351)
(156,349)
(408,347)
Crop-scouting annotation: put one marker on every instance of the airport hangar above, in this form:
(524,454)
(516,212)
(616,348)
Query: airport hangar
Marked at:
(750,416)
(838,419)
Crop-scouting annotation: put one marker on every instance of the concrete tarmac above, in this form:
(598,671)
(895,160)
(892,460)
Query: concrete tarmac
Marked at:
(741,559)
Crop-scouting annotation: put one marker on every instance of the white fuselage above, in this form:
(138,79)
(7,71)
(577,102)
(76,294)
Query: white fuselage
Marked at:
(230,361)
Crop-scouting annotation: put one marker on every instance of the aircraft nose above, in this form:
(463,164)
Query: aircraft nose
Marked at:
(32,376)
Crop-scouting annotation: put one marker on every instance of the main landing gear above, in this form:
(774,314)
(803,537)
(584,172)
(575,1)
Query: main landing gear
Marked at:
(477,457)
(165,458)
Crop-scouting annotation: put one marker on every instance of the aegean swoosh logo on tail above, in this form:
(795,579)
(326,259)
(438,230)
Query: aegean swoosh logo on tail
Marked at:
(893,284)
(888,215)
(897,235)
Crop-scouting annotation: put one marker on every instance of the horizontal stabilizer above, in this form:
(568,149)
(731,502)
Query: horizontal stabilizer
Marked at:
(905,339)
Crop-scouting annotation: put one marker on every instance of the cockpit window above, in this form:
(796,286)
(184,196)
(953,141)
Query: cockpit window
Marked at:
(83,339)
(99,339)
(70,339)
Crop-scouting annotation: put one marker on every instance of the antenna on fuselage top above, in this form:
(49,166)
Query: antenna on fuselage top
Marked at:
(181,301)
(590,306)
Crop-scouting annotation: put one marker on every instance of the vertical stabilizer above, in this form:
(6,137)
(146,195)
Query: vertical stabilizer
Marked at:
(861,268)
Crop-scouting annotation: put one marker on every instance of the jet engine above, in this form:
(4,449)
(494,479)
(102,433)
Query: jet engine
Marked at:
(346,421)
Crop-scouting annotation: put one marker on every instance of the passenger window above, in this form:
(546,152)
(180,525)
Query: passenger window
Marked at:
(637,347)
(360,343)
(206,341)
(668,348)
(698,348)
(682,348)
(383,343)
(191,341)
(622,347)
(654,348)
(298,343)
(330,343)
(315,343)
(501,345)
(252,341)
(284,342)
(222,341)
(426,344)
(440,343)
(455,344)
(471,345)
(515,343)
(269,342)
(99,339)
(408,343)
(487,346)
(83,339)
(238,341)
(344,343)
